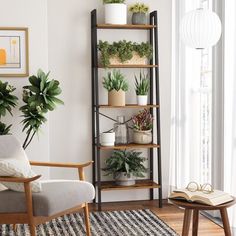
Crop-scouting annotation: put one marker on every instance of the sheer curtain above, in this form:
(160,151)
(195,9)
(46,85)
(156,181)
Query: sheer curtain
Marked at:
(191,112)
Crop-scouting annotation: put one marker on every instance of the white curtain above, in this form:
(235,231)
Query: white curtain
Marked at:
(191,106)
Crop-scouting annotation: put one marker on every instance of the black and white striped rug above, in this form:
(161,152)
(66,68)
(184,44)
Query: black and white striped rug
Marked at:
(114,223)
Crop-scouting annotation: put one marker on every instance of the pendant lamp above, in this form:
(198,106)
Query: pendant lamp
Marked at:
(200,29)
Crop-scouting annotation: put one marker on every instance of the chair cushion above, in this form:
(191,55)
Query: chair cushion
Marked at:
(56,196)
(14,162)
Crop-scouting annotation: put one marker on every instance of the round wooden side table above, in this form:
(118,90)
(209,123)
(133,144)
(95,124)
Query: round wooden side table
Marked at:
(196,207)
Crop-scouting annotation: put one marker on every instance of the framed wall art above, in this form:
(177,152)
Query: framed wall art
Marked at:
(14,52)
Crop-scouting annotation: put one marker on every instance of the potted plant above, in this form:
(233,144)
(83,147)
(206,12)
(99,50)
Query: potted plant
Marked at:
(116,86)
(142,127)
(124,166)
(115,12)
(124,52)
(142,87)
(139,11)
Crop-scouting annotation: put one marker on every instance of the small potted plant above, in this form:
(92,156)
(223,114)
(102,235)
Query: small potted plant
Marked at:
(124,166)
(142,87)
(139,11)
(142,127)
(115,12)
(116,86)
(124,52)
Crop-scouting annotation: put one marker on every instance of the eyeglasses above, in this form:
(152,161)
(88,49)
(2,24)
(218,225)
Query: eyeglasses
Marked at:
(205,188)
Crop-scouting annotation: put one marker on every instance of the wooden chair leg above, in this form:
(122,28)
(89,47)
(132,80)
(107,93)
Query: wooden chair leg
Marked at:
(186,224)
(14,227)
(87,221)
(195,222)
(225,220)
(32,230)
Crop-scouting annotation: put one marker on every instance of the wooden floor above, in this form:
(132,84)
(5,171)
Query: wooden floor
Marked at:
(169,213)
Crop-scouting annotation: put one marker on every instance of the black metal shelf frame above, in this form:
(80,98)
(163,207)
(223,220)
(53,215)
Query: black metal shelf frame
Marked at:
(154,99)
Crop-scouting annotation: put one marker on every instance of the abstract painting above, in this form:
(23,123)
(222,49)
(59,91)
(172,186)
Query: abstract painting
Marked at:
(13,52)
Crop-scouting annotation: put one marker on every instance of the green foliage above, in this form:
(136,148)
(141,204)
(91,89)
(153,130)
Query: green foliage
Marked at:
(7,100)
(39,98)
(113,1)
(143,120)
(139,8)
(142,85)
(129,162)
(4,130)
(115,80)
(123,50)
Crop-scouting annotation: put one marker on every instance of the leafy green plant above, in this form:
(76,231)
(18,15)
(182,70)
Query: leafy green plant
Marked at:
(113,1)
(142,84)
(129,162)
(115,80)
(4,129)
(143,120)
(123,50)
(39,98)
(139,8)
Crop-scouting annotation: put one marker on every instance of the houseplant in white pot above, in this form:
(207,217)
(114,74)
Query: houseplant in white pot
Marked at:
(116,86)
(139,11)
(115,12)
(142,86)
(124,166)
(142,127)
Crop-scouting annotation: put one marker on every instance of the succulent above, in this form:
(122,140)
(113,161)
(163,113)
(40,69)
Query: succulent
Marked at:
(123,50)
(4,129)
(115,80)
(129,162)
(139,8)
(113,1)
(143,120)
(142,85)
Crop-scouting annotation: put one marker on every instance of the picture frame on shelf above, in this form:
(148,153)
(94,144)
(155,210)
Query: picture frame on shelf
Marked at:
(14,52)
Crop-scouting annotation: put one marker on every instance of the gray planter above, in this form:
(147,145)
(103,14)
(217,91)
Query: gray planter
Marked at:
(123,179)
(139,19)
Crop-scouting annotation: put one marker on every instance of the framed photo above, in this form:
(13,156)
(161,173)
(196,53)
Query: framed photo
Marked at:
(14,52)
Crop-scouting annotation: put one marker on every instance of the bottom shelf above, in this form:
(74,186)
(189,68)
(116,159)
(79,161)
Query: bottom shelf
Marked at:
(140,184)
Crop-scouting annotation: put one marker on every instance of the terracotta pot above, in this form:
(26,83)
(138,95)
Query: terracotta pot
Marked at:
(124,179)
(116,98)
(142,137)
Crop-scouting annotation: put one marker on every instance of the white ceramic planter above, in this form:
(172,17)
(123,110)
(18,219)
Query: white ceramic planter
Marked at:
(142,137)
(123,179)
(108,139)
(116,13)
(142,100)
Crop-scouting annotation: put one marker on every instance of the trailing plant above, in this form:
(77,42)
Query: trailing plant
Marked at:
(139,8)
(39,98)
(115,80)
(129,162)
(123,50)
(113,1)
(143,120)
(142,84)
(4,129)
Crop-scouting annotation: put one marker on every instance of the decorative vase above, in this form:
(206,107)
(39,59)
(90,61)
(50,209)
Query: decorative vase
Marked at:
(124,179)
(135,60)
(139,19)
(142,100)
(142,137)
(116,98)
(108,139)
(121,131)
(116,13)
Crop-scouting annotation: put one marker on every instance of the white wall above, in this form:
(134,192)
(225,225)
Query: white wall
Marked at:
(69,58)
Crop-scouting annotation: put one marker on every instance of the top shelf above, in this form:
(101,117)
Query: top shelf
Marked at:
(128,26)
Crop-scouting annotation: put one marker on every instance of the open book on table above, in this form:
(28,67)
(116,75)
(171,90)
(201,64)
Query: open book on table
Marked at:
(215,198)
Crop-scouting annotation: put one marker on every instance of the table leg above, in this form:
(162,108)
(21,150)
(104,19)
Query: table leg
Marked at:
(195,222)
(225,220)
(186,224)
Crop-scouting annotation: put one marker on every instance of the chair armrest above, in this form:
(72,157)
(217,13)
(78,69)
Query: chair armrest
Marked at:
(66,165)
(18,179)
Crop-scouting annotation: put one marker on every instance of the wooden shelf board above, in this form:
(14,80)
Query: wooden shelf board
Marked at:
(129,146)
(128,66)
(127,26)
(130,106)
(140,184)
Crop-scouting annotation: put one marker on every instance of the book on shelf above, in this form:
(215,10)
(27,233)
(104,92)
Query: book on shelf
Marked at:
(215,198)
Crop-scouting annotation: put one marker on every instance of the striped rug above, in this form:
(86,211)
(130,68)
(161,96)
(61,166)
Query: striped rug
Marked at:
(114,223)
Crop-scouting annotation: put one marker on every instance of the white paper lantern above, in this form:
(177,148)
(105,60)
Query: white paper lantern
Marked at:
(200,29)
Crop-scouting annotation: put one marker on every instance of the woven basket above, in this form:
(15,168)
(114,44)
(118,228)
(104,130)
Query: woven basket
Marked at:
(135,60)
